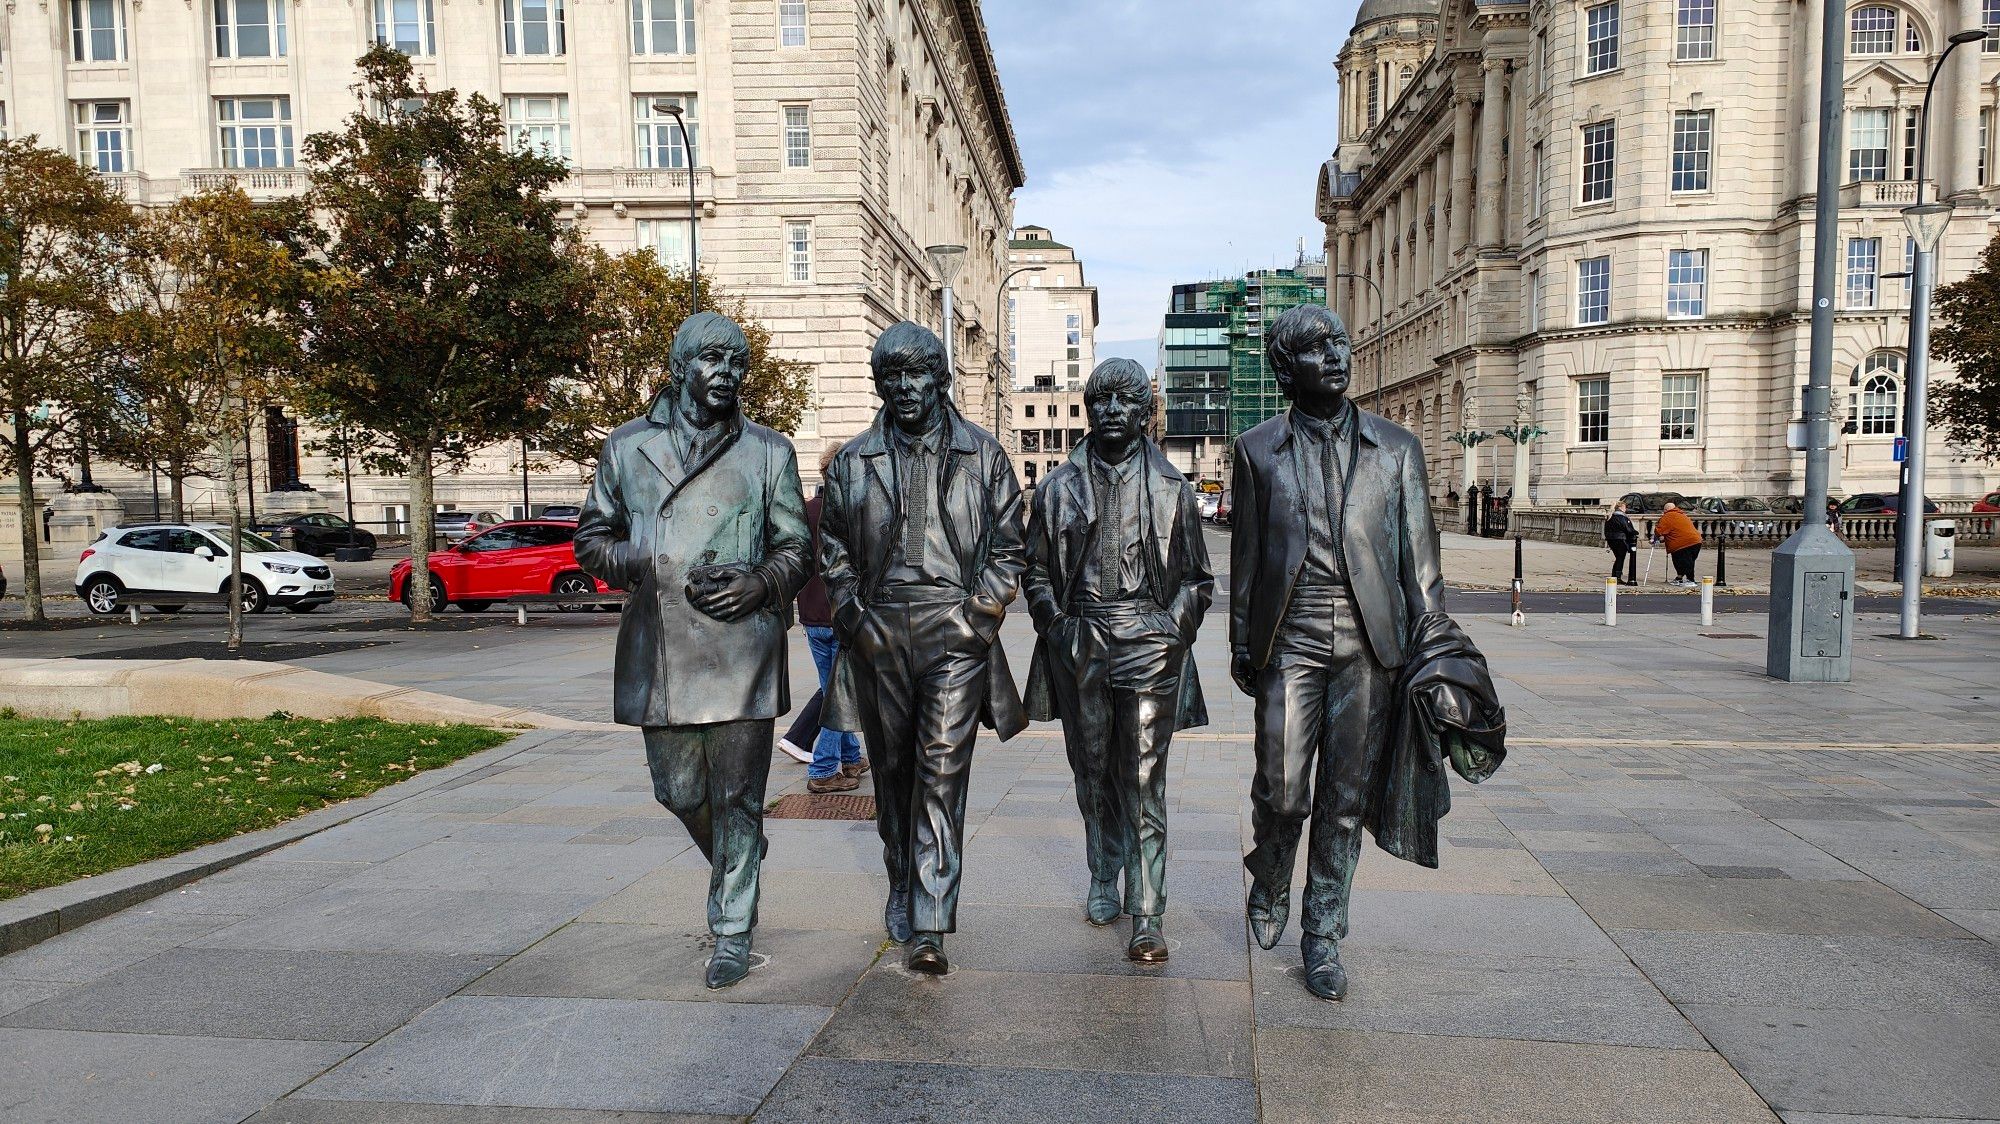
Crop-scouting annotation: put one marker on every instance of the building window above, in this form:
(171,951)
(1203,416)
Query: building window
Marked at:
(1985,135)
(798,251)
(1867,145)
(1687,283)
(663,27)
(1534,287)
(791,23)
(668,239)
(1600,38)
(255,132)
(409,26)
(1881,398)
(539,124)
(1989,18)
(1593,410)
(798,137)
(3,120)
(1909,144)
(1864,264)
(1374,97)
(104,135)
(1694,136)
(1694,30)
(97,30)
(1680,407)
(249,29)
(532,27)
(1871,31)
(660,134)
(1593,291)
(1538,183)
(1031,413)
(1600,154)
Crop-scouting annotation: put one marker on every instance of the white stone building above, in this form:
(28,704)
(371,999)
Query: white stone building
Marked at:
(834,140)
(1595,218)
(1051,349)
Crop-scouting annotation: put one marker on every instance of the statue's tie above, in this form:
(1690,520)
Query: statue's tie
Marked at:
(917,513)
(1110,527)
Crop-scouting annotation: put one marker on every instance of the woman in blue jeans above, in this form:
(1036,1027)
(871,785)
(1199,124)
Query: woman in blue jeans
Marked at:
(835,760)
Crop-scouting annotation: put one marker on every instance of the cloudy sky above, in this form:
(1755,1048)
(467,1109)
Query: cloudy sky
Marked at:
(1169,140)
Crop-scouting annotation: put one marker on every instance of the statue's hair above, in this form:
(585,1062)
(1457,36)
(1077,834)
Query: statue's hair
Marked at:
(1294,331)
(829,451)
(908,344)
(699,332)
(1114,375)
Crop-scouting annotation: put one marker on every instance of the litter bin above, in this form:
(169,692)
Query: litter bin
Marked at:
(1939,535)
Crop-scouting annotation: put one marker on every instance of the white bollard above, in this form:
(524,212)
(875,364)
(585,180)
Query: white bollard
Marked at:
(1610,602)
(1707,602)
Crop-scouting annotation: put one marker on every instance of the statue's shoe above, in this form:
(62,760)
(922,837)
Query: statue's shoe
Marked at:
(1149,945)
(927,955)
(1103,906)
(896,916)
(1325,977)
(731,961)
(1268,913)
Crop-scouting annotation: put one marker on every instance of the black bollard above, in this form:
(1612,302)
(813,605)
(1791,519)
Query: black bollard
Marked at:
(1517,579)
(1632,565)
(1722,560)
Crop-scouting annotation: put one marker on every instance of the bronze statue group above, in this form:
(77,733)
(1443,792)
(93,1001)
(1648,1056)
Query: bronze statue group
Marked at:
(1363,688)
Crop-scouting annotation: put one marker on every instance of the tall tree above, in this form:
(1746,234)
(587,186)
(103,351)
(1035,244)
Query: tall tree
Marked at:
(1967,333)
(636,305)
(197,344)
(445,292)
(60,231)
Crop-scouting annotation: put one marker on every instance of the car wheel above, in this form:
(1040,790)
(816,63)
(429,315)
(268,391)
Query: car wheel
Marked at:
(473,606)
(438,602)
(305,608)
(168,608)
(101,594)
(253,594)
(572,585)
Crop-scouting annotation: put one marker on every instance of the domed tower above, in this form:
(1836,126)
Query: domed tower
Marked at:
(1389,40)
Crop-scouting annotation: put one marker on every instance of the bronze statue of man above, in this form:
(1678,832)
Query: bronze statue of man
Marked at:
(1334,563)
(1117,583)
(697,514)
(920,546)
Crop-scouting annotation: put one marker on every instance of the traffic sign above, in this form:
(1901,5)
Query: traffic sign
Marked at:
(1900,452)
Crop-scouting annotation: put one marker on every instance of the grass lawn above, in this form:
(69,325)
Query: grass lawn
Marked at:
(84,797)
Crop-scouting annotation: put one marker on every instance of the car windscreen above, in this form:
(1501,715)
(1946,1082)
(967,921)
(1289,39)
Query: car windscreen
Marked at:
(252,543)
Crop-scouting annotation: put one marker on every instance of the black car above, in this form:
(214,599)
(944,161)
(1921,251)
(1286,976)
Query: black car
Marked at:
(561,511)
(1651,503)
(1879,503)
(318,533)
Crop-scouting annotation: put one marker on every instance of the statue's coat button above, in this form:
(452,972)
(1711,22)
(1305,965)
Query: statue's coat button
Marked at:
(711,509)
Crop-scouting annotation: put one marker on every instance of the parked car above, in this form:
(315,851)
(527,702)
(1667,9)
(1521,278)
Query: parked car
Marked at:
(1879,503)
(1787,505)
(1208,502)
(1987,504)
(1651,503)
(1755,519)
(1225,508)
(318,533)
(150,562)
(457,526)
(521,557)
(569,511)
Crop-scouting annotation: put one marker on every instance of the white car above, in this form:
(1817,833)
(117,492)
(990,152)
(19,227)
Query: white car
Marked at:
(151,562)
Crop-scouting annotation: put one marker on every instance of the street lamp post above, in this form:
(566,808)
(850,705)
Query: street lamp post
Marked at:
(1381,309)
(1926,223)
(947,259)
(673,109)
(1000,337)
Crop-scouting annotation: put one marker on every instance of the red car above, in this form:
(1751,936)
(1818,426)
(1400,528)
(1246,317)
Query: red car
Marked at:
(527,556)
(1988,504)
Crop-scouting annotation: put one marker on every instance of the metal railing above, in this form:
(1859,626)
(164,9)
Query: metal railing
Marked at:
(1585,526)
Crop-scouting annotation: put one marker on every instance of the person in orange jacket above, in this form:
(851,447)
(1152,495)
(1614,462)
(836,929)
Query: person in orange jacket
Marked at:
(1683,542)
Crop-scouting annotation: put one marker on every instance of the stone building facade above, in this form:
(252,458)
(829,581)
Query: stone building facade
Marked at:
(1595,219)
(834,141)
(1051,349)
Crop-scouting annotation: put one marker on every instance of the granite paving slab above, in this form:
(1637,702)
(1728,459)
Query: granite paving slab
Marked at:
(104,946)
(536,1052)
(255,993)
(1791,970)
(838,1091)
(295,1110)
(1495,924)
(351,918)
(1203,944)
(1753,906)
(69,1077)
(632,961)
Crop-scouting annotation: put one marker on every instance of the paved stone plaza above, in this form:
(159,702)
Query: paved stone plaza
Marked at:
(1673,904)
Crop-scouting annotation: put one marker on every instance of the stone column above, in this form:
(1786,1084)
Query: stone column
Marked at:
(1421,277)
(1345,304)
(1392,231)
(1440,235)
(1964,79)
(1805,115)
(1492,120)
(1461,170)
(1524,416)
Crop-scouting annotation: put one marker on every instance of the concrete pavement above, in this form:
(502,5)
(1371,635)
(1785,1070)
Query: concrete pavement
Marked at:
(1692,894)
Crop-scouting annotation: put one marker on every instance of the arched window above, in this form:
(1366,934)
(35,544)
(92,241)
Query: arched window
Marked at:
(1879,399)
(1403,78)
(1871,31)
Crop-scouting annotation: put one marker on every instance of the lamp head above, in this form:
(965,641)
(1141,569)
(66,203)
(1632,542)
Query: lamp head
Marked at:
(1971,35)
(947,259)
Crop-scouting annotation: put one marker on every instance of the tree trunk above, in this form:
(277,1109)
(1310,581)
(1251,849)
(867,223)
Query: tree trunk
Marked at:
(31,532)
(235,541)
(177,490)
(423,525)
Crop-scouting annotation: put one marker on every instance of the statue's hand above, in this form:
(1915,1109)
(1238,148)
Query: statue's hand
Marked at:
(1243,673)
(738,598)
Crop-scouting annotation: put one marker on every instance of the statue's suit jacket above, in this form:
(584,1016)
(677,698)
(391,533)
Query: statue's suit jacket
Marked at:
(862,519)
(1063,526)
(1391,545)
(650,519)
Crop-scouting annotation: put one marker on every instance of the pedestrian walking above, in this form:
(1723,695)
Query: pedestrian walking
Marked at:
(1677,532)
(834,759)
(1833,522)
(1623,538)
